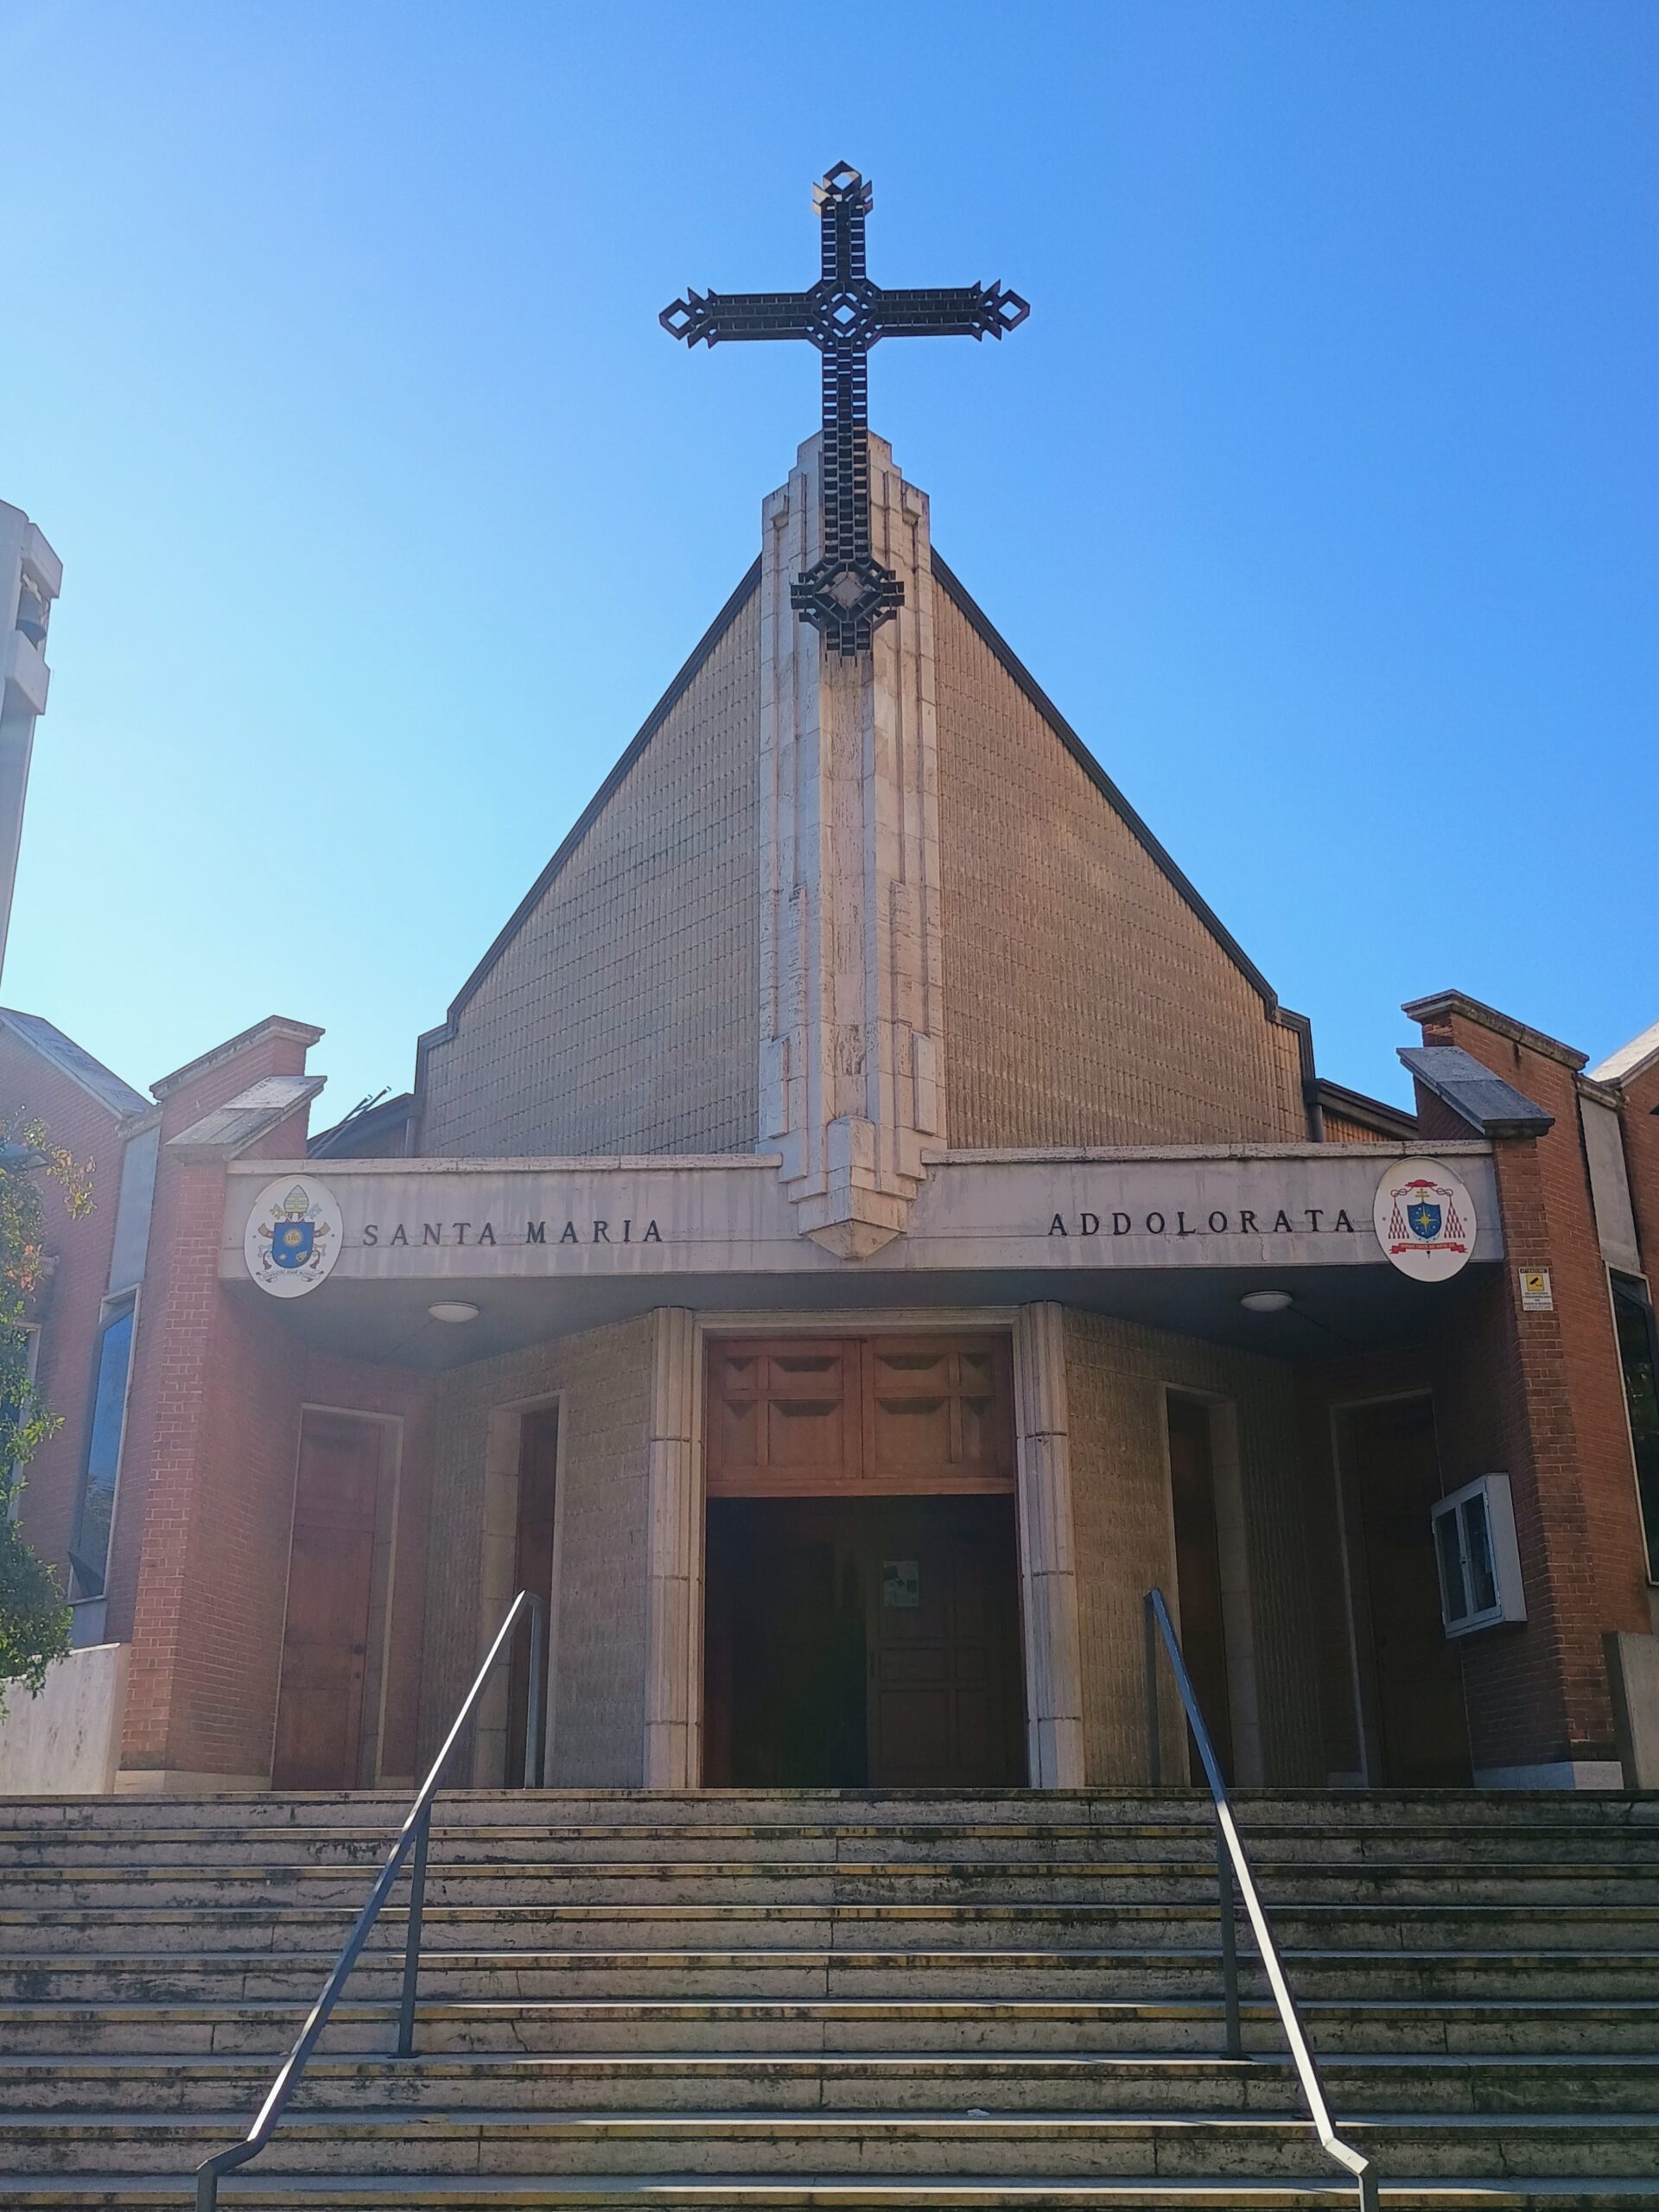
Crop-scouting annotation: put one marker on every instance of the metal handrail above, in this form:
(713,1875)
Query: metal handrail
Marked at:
(1231,1867)
(414,1835)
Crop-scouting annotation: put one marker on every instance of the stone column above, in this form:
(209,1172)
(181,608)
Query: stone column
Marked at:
(1048,1570)
(674,1566)
(851,965)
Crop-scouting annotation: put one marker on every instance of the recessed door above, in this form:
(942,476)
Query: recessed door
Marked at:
(320,1714)
(1198,1575)
(856,1641)
(943,1614)
(1420,1724)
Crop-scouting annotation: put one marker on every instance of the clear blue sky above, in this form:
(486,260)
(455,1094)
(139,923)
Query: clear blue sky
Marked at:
(1320,491)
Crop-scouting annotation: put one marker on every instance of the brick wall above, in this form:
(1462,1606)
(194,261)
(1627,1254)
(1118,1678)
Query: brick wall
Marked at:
(1117,1374)
(603,1376)
(1514,1689)
(199,1561)
(1340,1129)
(1545,1388)
(67,1305)
(623,1014)
(1085,1002)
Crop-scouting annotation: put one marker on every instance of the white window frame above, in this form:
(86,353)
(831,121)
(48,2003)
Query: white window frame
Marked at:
(1491,1493)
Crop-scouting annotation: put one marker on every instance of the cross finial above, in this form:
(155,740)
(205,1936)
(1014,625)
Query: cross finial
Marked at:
(847,593)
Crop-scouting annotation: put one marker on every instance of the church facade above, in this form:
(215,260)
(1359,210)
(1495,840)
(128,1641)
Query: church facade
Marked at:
(863,1225)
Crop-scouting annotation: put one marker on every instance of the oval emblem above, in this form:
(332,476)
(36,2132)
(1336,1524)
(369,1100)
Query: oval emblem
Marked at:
(1425,1219)
(292,1236)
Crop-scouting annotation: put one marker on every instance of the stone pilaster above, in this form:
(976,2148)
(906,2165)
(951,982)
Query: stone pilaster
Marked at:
(1047,1551)
(851,1074)
(674,1566)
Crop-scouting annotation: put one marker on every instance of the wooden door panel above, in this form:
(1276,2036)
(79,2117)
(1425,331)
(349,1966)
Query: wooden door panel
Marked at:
(945,1662)
(1421,1726)
(823,1417)
(783,1417)
(331,1571)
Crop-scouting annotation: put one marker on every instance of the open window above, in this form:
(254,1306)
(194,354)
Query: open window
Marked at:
(1478,1557)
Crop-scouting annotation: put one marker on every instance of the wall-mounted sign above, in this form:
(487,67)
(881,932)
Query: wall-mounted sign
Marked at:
(1536,1296)
(901,1584)
(1425,1219)
(293,1235)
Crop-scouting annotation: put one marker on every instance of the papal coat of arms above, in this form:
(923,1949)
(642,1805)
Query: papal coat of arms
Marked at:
(293,1237)
(1425,1219)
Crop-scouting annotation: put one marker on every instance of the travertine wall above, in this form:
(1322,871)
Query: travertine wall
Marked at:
(1085,1002)
(623,1016)
(1117,1376)
(603,1377)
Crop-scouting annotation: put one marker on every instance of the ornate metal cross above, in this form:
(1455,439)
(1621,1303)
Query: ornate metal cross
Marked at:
(847,594)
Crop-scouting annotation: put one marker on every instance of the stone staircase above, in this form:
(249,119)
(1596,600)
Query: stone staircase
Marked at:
(833,2000)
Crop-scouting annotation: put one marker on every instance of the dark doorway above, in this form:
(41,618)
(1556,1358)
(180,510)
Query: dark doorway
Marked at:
(1418,1729)
(319,1707)
(532,1570)
(1198,1574)
(858,1643)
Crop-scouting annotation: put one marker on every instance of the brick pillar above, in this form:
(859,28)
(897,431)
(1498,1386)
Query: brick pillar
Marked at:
(207,1464)
(1540,1395)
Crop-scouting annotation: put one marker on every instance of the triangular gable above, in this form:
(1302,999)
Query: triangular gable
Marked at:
(117,1098)
(595,806)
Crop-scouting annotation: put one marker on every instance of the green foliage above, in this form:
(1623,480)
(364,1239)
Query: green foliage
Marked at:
(34,1617)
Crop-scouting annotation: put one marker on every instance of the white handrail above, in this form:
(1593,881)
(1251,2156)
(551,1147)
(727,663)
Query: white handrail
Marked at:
(1302,2058)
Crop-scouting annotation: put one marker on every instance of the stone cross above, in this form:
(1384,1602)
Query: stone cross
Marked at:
(847,594)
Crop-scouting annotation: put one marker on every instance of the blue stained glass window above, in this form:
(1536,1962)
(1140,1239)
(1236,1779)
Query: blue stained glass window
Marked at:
(90,1551)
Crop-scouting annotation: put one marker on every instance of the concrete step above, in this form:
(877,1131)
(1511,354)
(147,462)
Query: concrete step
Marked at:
(1259,1811)
(806,1997)
(864,1925)
(1189,1972)
(1444,1844)
(515,2026)
(1204,2145)
(821,2193)
(792,1886)
(1001,2082)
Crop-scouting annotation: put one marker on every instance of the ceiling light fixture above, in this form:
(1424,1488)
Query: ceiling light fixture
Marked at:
(453,1309)
(1266,1301)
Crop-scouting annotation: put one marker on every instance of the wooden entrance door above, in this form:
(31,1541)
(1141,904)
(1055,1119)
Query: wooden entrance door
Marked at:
(330,1578)
(1421,1727)
(946,1708)
(856,1641)
(862,1575)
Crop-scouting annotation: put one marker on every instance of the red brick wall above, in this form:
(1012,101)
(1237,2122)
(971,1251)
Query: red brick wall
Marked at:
(1514,1684)
(199,1575)
(68,1305)
(1545,1388)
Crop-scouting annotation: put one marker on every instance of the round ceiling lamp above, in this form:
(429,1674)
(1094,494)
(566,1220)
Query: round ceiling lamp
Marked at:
(453,1309)
(1263,1301)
